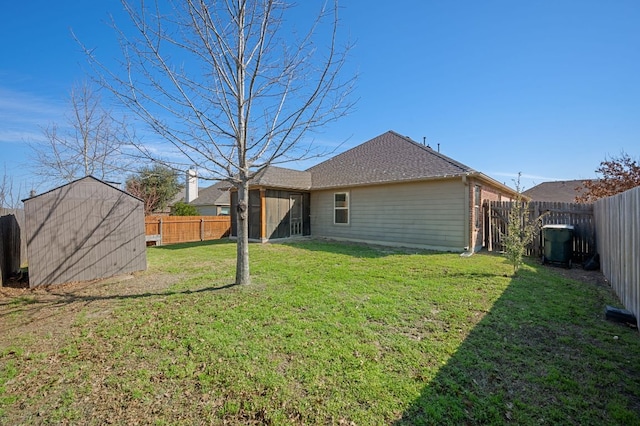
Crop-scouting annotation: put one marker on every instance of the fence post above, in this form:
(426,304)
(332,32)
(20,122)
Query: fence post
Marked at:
(202,229)
(160,226)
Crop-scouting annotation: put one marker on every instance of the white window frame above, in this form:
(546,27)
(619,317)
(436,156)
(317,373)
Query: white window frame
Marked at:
(347,208)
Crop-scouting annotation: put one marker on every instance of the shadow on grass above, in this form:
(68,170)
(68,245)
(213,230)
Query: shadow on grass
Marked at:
(360,250)
(353,249)
(30,305)
(544,354)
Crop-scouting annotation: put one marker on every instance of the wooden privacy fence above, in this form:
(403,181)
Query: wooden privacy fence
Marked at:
(618,231)
(10,242)
(580,216)
(19,216)
(184,229)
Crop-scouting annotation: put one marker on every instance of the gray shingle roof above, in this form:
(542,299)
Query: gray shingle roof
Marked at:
(389,157)
(214,195)
(563,191)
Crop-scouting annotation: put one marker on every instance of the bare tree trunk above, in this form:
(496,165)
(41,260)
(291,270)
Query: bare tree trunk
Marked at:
(242,259)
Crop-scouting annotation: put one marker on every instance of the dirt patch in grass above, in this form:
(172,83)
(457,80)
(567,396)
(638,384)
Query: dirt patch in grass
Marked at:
(582,275)
(50,311)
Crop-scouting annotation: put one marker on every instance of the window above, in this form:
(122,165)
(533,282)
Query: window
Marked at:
(476,205)
(341,207)
(224,211)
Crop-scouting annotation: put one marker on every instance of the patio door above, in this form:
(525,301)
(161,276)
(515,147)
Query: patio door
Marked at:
(295,214)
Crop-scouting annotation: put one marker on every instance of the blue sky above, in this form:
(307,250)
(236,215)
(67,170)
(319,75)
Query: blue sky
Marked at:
(547,88)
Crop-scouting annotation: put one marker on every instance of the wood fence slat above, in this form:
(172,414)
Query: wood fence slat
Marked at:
(183,229)
(609,227)
(553,213)
(618,235)
(9,247)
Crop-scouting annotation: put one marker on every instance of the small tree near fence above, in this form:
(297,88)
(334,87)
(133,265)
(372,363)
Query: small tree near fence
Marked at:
(521,229)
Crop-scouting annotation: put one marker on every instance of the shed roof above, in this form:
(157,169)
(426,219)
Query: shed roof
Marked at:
(387,158)
(84,179)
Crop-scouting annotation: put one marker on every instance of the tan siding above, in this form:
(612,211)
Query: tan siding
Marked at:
(207,210)
(422,214)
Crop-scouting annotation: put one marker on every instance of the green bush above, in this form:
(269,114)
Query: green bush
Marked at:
(183,209)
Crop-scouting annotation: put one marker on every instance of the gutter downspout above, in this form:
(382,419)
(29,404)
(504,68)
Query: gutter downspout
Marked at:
(467,215)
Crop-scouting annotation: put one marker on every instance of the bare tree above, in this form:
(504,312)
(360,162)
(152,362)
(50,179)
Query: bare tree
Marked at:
(9,195)
(91,142)
(232,85)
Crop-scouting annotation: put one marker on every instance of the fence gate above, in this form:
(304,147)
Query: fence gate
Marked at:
(580,216)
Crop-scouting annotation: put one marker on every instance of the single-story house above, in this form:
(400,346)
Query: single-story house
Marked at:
(213,200)
(389,190)
(82,231)
(563,191)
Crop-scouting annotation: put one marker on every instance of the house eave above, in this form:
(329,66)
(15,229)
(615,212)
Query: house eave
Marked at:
(277,187)
(389,182)
(489,180)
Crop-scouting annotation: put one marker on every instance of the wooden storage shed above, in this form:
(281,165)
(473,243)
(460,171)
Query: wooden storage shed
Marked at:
(83,231)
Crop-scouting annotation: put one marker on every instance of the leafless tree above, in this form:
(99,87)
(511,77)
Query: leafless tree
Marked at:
(91,142)
(232,85)
(9,195)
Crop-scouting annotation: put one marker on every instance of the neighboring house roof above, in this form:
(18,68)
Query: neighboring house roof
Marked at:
(179,197)
(563,191)
(278,177)
(389,157)
(214,195)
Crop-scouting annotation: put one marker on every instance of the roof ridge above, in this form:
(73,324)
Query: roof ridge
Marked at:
(111,185)
(350,149)
(436,153)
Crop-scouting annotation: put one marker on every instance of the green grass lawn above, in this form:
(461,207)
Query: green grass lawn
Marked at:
(333,333)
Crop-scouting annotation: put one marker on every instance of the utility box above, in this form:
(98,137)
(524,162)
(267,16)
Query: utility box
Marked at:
(557,244)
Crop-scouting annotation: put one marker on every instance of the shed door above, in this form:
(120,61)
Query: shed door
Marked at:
(295,213)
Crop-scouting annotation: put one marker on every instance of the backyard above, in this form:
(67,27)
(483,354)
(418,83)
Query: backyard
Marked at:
(327,333)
